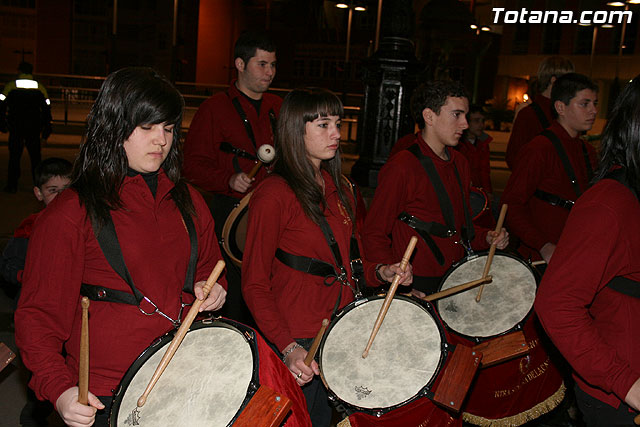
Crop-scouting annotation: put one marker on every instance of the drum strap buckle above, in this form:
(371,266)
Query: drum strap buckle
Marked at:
(156,310)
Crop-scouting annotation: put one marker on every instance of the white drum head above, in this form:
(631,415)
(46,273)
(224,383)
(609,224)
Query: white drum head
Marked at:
(505,302)
(404,358)
(205,383)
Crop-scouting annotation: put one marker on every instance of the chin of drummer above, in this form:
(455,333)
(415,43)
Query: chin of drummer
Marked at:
(295,362)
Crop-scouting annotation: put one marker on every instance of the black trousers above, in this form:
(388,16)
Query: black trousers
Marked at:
(596,413)
(18,139)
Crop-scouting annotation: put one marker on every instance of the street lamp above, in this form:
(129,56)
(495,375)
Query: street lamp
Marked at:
(351,6)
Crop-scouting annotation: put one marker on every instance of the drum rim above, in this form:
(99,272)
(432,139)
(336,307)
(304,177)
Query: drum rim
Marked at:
(425,391)
(229,228)
(486,201)
(517,327)
(159,343)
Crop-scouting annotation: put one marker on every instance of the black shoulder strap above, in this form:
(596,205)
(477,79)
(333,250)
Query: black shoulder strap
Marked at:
(542,118)
(236,103)
(110,246)
(564,158)
(443,197)
(274,122)
(625,286)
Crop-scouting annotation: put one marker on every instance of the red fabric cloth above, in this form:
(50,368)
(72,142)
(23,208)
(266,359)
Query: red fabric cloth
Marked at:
(404,143)
(216,121)
(26,226)
(403,186)
(535,221)
(516,386)
(526,127)
(274,374)
(595,327)
(64,253)
(477,154)
(421,412)
(287,303)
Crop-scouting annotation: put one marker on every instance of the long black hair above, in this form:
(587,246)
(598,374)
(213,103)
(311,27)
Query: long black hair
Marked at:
(621,137)
(292,163)
(128,98)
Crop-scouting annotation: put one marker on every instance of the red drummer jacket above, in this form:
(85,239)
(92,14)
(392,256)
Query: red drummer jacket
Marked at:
(478,156)
(218,121)
(526,127)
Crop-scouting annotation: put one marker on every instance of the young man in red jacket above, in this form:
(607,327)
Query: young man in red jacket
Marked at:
(537,116)
(224,137)
(553,170)
(589,299)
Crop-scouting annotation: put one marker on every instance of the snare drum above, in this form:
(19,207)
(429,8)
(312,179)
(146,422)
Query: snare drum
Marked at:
(480,208)
(506,302)
(519,390)
(402,364)
(234,231)
(210,380)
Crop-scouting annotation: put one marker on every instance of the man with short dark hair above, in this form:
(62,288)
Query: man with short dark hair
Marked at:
(537,116)
(225,135)
(553,170)
(409,192)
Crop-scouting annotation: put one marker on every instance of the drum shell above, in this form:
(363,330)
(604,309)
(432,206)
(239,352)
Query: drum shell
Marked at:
(350,407)
(534,280)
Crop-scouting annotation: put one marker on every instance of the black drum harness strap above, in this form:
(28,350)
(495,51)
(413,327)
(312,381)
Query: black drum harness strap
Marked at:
(426,229)
(108,241)
(542,118)
(247,126)
(556,200)
(622,284)
(331,273)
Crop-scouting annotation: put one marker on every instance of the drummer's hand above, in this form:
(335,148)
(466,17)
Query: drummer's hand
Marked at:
(74,413)
(418,294)
(388,272)
(295,363)
(240,182)
(215,299)
(547,251)
(633,396)
(501,239)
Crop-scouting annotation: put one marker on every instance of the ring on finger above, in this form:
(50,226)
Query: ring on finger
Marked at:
(299,375)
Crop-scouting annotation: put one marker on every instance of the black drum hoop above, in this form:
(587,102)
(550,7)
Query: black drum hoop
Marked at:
(160,343)
(233,244)
(517,327)
(445,350)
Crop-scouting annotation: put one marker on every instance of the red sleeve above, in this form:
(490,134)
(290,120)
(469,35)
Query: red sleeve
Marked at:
(265,224)
(202,165)
(388,202)
(523,131)
(485,171)
(45,316)
(523,182)
(593,239)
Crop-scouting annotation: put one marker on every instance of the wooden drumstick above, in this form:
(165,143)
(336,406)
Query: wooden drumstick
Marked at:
(541,262)
(392,290)
(182,331)
(458,289)
(316,343)
(83,365)
(266,153)
(492,250)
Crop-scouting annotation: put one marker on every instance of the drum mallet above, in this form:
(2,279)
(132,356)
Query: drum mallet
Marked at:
(457,289)
(83,364)
(492,250)
(392,290)
(316,343)
(266,153)
(182,331)
(636,420)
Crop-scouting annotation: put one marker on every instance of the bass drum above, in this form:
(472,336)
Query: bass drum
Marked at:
(210,379)
(406,356)
(234,231)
